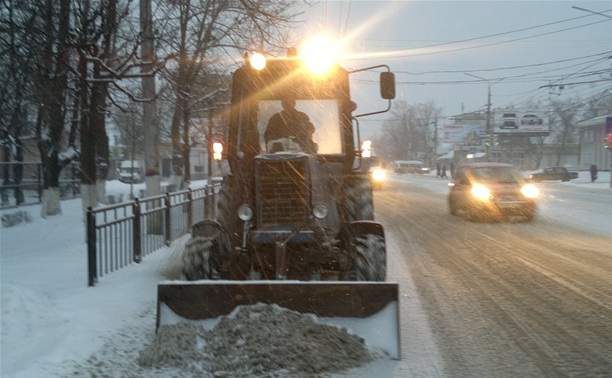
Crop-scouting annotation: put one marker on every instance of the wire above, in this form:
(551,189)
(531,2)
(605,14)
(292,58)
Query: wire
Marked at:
(500,34)
(608,53)
(483,45)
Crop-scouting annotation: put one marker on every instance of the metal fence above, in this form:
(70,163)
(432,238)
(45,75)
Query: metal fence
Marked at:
(118,235)
(21,183)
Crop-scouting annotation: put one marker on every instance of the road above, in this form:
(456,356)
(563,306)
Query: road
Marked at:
(501,299)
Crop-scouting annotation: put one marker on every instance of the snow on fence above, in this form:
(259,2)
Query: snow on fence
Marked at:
(120,234)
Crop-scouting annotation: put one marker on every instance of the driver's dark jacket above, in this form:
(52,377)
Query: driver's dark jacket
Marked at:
(291,124)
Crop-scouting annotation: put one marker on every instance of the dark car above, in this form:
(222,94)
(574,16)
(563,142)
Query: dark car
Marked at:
(483,190)
(553,174)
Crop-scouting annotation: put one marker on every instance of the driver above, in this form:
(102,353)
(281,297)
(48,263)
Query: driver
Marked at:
(293,124)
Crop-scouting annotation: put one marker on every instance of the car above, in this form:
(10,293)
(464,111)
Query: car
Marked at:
(509,121)
(492,190)
(410,166)
(378,176)
(553,174)
(531,119)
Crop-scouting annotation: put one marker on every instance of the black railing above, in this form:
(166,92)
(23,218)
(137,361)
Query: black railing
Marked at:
(118,235)
(21,183)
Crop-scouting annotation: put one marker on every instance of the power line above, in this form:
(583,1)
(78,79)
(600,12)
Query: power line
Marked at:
(494,35)
(607,53)
(389,54)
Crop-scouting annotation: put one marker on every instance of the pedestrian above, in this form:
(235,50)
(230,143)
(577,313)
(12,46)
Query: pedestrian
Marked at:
(443,175)
(438,169)
(452,169)
(593,170)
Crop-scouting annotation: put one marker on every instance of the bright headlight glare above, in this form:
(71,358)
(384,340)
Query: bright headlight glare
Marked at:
(245,212)
(258,61)
(378,174)
(481,192)
(320,211)
(319,55)
(530,191)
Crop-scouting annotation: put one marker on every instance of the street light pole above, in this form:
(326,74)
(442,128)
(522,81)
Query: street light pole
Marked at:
(488,124)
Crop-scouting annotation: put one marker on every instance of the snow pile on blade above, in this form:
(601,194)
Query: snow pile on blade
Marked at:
(258,340)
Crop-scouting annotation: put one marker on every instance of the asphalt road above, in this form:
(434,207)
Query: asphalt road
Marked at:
(504,299)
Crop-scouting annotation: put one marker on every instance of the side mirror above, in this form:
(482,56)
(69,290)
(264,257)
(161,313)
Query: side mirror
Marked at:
(387,85)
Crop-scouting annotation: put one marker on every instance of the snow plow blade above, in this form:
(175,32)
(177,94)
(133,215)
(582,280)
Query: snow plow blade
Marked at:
(368,309)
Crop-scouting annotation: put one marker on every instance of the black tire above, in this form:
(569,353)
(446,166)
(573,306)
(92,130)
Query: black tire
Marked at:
(207,255)
(452,206)
(229,199)
(237,267)
(197,259)
(473,215)
(358,200)
(371,258)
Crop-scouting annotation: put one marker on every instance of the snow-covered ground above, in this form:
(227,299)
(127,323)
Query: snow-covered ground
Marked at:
(52,322)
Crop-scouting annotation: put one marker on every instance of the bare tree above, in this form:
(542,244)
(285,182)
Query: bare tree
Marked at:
(563,125)
(17,72)
(410,131)
(53,76)
(198,33)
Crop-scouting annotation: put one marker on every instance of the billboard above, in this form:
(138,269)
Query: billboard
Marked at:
(520,122)
(465,134)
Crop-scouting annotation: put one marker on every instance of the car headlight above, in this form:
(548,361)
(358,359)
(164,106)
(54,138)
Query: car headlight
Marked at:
(530,191)
(378,174)
(481,192)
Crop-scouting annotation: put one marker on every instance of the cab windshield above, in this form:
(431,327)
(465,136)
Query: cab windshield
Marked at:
(322,114)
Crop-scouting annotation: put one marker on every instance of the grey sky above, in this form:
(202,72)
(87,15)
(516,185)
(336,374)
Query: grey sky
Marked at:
(518,46)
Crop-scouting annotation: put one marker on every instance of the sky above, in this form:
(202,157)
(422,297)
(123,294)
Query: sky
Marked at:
(52,323)
(527,52)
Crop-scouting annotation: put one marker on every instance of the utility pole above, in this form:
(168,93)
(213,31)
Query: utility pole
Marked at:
(488,131)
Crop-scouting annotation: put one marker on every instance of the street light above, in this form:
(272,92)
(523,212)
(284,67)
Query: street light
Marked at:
(488,125)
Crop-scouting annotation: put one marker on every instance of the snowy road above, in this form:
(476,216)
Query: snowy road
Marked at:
(507,299)
(477,299)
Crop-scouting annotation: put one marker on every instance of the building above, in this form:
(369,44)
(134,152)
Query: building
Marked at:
(593,139)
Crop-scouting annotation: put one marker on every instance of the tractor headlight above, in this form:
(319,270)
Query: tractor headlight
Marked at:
(530,191)
(481,192)
(320,211)
(319,55)
(379,174)
(258,61)
(245,212)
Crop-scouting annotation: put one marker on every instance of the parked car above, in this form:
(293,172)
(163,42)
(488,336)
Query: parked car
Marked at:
(410,166)
(132,171)
(553,174)
(491,190)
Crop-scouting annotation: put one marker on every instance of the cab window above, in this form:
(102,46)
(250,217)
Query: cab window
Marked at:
(323,114)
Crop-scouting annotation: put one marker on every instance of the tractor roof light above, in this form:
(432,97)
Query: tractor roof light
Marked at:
(258,61)
(320,55)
